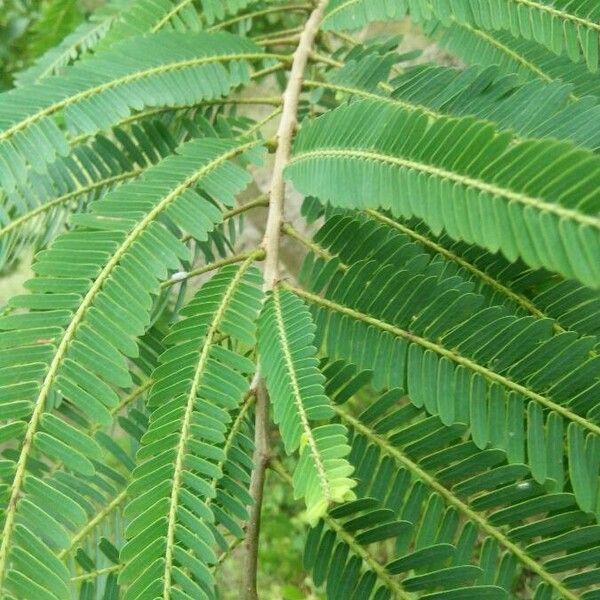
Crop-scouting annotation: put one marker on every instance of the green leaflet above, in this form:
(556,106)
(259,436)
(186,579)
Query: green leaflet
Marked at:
(425,331)
(288,361)
(92,168)
(103,495)
(515,55)
(100,279)
(568,27)
(337,553)
(537,199)
(121,19)
(368,66)
(445,502)
(169,69)
(89,171)
(542,107)
(355,14)
(375,236)
(175,504)
(151,16)
(535,109)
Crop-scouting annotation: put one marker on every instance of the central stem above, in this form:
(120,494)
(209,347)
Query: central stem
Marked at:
(271,240)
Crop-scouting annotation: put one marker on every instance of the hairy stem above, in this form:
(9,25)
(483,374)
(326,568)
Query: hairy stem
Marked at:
(213,266)
(285,133)
(280,41)
(95,574)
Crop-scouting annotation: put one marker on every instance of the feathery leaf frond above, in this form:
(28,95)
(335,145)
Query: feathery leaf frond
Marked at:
(523,57)
(360,155)
(434,374)
(354,14)
(569,27)
(376,236)
(430,335)
(534,109)
(34,217)
(452,492)
(165,70)
(151,16)
(72,345)
(288,360)
(197,386)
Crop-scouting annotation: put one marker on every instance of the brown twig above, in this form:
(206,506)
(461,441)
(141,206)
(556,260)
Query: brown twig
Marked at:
(257,484)
(271,242)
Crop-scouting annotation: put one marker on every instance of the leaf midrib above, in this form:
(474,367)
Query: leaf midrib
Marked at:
(490,39)
(235,428)
(375,97)
(368,559)
(170,14)
(497,285)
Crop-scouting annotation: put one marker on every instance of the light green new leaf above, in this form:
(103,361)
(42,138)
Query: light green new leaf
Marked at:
(289,364)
